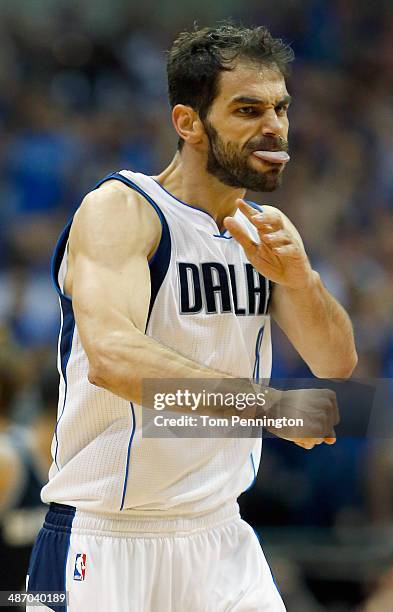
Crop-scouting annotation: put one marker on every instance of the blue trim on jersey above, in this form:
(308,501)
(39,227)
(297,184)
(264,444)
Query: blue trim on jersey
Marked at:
(128,456)
(67,334)
(255,373)
(222,236)
(159,263)
(58,258)
(185,203)
(68,327)
(48,560)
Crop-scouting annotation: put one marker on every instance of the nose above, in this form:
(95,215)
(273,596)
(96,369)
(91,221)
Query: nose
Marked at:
(272,126)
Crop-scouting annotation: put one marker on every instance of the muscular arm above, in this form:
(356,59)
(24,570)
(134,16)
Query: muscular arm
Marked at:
(315,323)
(317,326)
(112,237)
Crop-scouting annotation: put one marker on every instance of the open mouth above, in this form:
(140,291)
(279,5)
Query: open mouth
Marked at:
(274,157)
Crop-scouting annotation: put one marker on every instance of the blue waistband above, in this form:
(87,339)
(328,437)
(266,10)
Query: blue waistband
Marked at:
(59,517)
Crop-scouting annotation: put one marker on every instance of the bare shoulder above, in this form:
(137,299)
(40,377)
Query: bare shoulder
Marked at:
(115,215)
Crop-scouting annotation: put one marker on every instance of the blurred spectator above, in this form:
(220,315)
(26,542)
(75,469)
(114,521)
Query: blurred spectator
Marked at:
(25,459)
(380,483)
(10,384)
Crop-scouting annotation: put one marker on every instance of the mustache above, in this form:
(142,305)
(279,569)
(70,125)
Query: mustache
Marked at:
(268,143)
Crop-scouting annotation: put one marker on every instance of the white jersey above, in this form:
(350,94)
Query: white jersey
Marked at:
(207,303)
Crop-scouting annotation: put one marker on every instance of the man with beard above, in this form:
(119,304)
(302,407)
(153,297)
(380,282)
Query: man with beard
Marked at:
(172,277)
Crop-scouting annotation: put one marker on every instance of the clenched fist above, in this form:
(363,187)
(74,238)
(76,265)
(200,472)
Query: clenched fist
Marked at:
(317,408)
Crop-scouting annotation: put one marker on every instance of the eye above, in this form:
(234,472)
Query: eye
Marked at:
(247,110)
(281,110)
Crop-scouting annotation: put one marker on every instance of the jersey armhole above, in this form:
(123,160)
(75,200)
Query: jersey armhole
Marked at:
(158,263)
(58,260)
(160,260)
(165,234)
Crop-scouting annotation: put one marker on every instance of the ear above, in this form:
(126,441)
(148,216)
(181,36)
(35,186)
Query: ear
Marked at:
(187,123)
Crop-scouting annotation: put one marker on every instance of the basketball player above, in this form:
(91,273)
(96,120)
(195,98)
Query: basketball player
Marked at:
(172,277)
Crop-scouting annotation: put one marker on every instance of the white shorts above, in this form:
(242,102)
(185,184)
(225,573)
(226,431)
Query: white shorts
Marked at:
(212,563)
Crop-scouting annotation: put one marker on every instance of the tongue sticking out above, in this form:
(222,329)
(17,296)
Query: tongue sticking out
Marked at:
(275,157)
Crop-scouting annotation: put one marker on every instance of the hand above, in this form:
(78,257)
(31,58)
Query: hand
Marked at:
(316,407)
(280,255)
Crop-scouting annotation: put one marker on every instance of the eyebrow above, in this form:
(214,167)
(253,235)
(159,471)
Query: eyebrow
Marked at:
(251,100)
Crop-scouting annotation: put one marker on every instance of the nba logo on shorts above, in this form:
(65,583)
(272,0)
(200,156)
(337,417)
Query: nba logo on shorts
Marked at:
(80,566)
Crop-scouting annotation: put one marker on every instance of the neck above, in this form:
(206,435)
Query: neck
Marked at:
(187,179)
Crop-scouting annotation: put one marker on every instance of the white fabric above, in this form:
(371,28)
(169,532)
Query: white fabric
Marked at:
(97,467)
(207,568)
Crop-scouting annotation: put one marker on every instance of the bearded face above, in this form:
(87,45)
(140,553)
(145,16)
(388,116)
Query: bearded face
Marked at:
(233,165)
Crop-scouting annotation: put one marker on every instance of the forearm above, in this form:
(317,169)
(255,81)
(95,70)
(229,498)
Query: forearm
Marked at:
(124,362)
(319,328)
(121,361)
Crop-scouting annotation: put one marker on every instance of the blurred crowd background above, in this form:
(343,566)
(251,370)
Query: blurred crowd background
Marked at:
(82,94)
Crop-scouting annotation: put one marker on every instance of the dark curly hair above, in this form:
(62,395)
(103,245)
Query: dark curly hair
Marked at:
(197,58)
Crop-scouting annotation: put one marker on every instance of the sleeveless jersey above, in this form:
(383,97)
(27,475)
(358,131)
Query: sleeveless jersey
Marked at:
(207,303)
